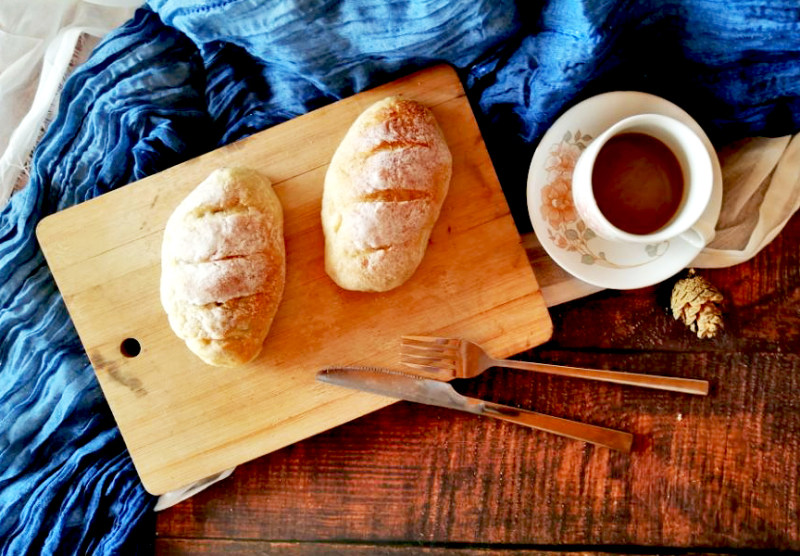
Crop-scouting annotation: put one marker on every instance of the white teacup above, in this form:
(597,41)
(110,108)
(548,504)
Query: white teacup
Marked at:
(609,172)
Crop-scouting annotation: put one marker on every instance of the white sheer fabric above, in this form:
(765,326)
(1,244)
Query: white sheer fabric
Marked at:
(40,42)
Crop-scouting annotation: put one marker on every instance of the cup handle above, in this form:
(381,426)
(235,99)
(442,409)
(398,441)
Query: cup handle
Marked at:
(699,235)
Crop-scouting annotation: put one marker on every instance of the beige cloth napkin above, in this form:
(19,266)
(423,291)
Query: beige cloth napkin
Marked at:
(41,42)
(761,192)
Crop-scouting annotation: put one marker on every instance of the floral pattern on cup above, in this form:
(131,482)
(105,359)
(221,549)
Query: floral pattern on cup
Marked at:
(564,227)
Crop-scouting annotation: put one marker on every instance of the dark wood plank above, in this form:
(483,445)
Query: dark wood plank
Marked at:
(718,472)
(177,547)
(762,297)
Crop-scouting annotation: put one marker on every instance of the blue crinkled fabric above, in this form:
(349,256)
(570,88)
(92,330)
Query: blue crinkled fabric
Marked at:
(185,76)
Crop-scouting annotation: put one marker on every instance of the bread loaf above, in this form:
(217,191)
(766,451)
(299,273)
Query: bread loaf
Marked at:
(383,192)
(223,266)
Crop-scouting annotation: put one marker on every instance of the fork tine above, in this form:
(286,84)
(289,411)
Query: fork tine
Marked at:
(430,340)
(431,372)
(431,354)
(416,344)
(430,362)
(423,351)
(430,367)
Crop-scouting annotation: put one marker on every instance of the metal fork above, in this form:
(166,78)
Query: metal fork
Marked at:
(446,358)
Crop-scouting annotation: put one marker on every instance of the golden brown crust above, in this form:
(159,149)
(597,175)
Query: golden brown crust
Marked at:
(383,193)
(224,266)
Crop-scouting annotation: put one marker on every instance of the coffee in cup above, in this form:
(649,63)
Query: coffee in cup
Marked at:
(647,178)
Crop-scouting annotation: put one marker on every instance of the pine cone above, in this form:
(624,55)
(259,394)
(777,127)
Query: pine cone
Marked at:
(695,301)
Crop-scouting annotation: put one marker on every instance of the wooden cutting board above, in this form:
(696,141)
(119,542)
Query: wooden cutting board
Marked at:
(183,421)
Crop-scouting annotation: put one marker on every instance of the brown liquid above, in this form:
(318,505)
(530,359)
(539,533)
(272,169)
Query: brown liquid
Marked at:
(637,183)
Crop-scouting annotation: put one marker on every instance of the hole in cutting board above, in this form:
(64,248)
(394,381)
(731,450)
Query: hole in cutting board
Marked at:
(130,347)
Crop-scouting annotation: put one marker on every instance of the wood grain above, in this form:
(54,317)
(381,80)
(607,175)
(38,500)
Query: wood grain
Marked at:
(257,547)
(719,473)
(182,420)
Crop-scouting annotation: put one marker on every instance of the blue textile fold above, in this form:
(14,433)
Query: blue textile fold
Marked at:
(185,76)
(67,484)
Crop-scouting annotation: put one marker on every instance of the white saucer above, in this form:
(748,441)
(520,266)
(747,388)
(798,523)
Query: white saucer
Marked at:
(564,236)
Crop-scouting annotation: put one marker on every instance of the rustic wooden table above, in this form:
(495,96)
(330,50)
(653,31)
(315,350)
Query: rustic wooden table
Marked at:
(717,473)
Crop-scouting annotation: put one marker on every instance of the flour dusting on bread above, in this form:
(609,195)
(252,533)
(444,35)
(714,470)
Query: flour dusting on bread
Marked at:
(224,266)
(383,193)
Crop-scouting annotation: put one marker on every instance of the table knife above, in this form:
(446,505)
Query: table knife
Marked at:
(402,386)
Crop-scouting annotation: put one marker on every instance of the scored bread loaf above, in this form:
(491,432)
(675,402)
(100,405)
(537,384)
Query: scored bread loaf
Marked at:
(223,266)
(383,193)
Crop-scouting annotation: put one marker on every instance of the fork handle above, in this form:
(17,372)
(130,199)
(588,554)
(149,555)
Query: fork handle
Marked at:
(601,436)
(685,385)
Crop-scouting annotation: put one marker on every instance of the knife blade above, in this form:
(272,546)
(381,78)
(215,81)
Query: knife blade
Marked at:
(403,386)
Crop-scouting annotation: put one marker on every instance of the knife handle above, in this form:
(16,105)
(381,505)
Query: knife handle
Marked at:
(601,436)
